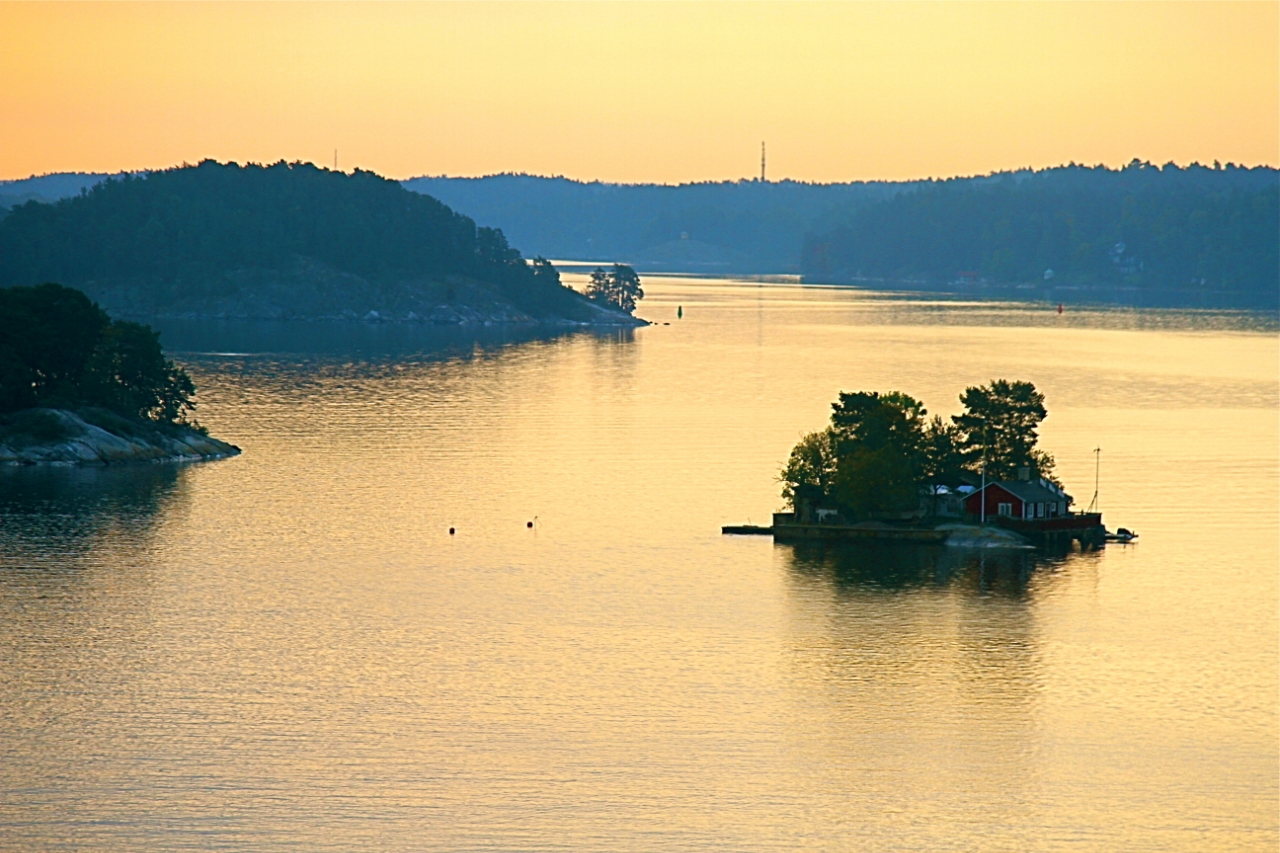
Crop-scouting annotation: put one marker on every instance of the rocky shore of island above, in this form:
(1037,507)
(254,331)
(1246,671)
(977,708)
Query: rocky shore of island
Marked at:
(98,437)
(305,289)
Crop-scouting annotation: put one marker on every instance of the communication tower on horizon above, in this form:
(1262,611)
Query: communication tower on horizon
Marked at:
(762,179)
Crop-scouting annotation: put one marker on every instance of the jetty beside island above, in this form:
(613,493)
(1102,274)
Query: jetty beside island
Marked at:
(882,471)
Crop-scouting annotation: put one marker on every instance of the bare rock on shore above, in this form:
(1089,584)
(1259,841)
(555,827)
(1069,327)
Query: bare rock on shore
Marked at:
(972,536)
(98,437)
(307,289)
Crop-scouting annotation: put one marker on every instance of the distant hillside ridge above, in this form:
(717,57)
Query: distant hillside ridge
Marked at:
(858,232)
(289,240)
(1145,235)
(739,226)
(746,226)
(48,188)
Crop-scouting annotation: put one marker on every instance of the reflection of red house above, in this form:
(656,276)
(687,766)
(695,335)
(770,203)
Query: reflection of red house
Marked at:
(1020,499)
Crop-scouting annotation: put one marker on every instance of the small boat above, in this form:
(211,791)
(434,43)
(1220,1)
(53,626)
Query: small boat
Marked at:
(1122,534)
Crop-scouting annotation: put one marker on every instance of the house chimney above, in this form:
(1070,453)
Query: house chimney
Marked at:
(1024,473)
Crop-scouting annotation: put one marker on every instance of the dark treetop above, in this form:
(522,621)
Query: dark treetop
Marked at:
(880,451)
(60,350)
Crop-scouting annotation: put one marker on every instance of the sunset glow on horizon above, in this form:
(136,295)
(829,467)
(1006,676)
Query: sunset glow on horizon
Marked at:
(639,92)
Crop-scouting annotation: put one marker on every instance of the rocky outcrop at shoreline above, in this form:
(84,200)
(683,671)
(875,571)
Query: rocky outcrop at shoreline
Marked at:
(99,437)
(307,289)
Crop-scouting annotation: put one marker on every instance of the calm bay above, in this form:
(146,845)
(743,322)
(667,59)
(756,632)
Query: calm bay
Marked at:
(288,650)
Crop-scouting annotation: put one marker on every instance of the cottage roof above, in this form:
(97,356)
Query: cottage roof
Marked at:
(1030,492)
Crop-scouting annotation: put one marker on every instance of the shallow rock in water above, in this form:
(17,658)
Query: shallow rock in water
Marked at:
(67,438)
(972,536)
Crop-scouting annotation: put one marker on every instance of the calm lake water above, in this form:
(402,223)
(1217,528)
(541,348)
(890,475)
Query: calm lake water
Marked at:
(288,651)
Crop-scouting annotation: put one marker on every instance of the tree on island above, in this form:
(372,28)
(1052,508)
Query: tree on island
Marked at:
(880,453)
(60,350)
(998,429)
(617,288)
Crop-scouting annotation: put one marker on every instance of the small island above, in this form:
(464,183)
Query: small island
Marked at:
(77,387)
(883,470)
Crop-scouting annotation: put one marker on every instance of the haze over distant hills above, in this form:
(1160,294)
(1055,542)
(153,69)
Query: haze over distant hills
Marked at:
(1143,235)
(1190,236)
(734,226)
(281,241)
(1198,235)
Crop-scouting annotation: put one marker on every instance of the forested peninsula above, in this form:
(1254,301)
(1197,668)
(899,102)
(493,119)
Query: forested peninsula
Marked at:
(1142,235)
(79,387)
(285,241)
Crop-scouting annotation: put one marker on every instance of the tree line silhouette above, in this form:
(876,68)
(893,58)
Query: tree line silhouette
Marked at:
(880,449)
(60,350)
(175,233)
(1144,228)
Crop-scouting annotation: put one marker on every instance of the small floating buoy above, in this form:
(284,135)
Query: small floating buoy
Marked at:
(451,531)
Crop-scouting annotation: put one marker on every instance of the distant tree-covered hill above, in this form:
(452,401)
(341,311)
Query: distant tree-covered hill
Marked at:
(287,240)
(47,188)
(1143,234)
(1197,235)
(728,226)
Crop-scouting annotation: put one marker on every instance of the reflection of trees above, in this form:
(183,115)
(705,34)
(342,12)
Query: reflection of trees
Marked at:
(922,668)
(52,515)
(372,342)
(892,566)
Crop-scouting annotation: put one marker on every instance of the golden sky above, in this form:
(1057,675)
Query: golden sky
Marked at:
(664,92)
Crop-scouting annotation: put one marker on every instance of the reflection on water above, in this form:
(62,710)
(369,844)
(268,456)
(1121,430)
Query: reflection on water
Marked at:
(50,515)
(896,567)
(930,666)
(364,341)
(288,650)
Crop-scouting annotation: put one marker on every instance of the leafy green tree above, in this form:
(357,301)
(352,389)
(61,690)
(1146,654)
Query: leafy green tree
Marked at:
(47,334)
(618,288)
(128,373)
(998,429)
(59,349)
(880,450)
(870,459)
(811,466)
(874,481)
(544,271)
(879,440)
(943,454)
(875,420)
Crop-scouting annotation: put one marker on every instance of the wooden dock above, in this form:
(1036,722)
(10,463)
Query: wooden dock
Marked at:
(858,532)
(1086,528)
(792,532)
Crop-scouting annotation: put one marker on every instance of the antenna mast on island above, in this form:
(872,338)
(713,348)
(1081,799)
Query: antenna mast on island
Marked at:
(762,162)
(1097,467)
(335,159)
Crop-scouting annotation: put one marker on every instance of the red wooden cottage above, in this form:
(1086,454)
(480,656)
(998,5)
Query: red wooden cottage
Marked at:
(1019,499)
